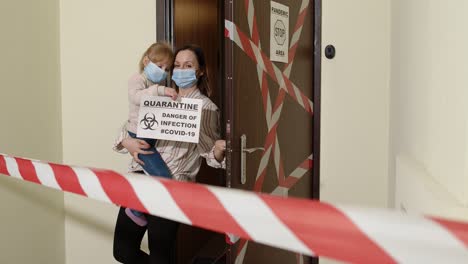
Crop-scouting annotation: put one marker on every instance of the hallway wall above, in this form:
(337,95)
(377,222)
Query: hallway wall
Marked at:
(31,127)
(355,102)
(101,44)
(429,110)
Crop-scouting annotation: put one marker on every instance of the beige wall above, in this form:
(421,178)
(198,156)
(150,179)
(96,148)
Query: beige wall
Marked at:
(32,225)
(429,109)
(416,98)
(355,102)
(101,43)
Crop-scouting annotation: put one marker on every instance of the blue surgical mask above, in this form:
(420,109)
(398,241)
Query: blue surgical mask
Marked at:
(184,78)
(154,72)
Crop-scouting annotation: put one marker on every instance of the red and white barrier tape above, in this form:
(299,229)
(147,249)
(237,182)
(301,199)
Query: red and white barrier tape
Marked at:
(305,226)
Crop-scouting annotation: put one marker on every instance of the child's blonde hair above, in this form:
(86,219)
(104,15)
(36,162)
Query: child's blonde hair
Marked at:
(157,52)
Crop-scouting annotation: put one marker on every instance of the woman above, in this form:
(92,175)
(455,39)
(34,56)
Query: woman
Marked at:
(183,160)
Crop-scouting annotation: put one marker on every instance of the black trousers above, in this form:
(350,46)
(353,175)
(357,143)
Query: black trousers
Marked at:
(162,234)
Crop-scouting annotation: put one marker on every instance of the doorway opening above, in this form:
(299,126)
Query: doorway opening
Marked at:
(250,98)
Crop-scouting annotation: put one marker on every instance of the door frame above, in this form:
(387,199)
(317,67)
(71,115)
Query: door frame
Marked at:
(164,20)
(317,88)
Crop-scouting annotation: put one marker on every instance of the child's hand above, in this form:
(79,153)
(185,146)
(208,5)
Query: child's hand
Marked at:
(171,92)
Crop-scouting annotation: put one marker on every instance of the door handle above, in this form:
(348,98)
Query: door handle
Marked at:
(244,150)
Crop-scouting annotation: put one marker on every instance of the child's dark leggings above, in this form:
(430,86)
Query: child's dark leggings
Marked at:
(162,234)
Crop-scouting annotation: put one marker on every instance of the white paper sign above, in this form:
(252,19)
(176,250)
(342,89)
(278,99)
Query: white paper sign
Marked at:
(279,33)
(164,118)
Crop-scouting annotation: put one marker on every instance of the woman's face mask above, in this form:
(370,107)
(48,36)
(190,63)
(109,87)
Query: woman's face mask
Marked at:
(184,78)
(154,72)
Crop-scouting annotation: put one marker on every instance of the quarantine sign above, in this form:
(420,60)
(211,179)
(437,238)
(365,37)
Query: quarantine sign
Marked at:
(164,118)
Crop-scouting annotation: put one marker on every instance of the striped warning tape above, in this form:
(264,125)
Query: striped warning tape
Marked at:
(255,53)
(309,227)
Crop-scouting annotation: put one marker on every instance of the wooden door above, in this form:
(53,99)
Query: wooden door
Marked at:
(270,106)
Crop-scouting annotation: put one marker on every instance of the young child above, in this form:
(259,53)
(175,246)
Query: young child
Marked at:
(153,67)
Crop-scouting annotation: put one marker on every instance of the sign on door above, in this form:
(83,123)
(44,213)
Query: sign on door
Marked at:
(279,33)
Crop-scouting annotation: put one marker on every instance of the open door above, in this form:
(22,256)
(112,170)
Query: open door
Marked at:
(182,22)
(271,109)
(271,115)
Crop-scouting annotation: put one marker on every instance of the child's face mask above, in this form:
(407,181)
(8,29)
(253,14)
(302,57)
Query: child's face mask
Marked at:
(155,73)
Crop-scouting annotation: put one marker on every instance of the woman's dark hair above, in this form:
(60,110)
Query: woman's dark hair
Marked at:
(203,82)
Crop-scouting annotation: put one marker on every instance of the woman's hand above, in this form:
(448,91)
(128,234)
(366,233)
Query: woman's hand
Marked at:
(219,149)
(135,147)
(171,92)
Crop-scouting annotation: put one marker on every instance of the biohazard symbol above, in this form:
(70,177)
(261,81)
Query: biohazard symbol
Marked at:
(147,123)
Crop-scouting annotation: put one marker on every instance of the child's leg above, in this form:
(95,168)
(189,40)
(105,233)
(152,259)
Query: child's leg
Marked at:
(136,216)
(154,164)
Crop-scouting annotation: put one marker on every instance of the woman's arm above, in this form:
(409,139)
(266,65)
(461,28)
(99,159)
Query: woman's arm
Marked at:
(125,144)
(135,147)
(209,145)
(123,134)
